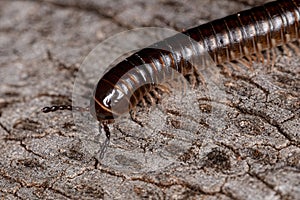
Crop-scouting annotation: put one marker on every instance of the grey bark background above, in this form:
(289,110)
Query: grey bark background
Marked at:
(237,140)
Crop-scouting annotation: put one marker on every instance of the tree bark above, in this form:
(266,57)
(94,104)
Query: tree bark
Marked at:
(237,137)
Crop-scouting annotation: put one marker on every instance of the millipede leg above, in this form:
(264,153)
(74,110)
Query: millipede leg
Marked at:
(286,50)
(134,118)
(191,78)
(156,95)
(150,99)
(143,103)
(226,69)
(194,77)
(254,58)
(273,58)
(199,76)
(295,48)
(245,63)
(235,67)
(268,57)
(250,60)
(260,58)
(163,88)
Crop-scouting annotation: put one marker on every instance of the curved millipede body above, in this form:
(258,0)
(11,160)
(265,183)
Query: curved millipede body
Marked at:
(243,34)
(238,36)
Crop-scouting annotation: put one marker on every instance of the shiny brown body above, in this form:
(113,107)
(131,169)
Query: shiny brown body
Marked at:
(250,31)
(240,35)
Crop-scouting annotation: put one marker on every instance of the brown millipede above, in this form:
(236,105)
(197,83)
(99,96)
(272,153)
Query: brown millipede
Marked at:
(236,37)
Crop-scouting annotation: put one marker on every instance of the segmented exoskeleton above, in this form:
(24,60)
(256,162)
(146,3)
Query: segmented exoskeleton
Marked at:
(235,37)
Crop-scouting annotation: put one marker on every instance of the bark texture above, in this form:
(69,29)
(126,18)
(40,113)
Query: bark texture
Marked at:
(240,139)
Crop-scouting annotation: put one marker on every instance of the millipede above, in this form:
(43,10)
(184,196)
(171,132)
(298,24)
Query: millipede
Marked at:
(244,37)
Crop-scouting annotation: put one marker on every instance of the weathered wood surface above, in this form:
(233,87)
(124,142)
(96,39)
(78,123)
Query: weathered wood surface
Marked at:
(243,145)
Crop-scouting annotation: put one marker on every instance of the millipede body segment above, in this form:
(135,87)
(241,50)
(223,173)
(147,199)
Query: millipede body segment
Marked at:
(238,36)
